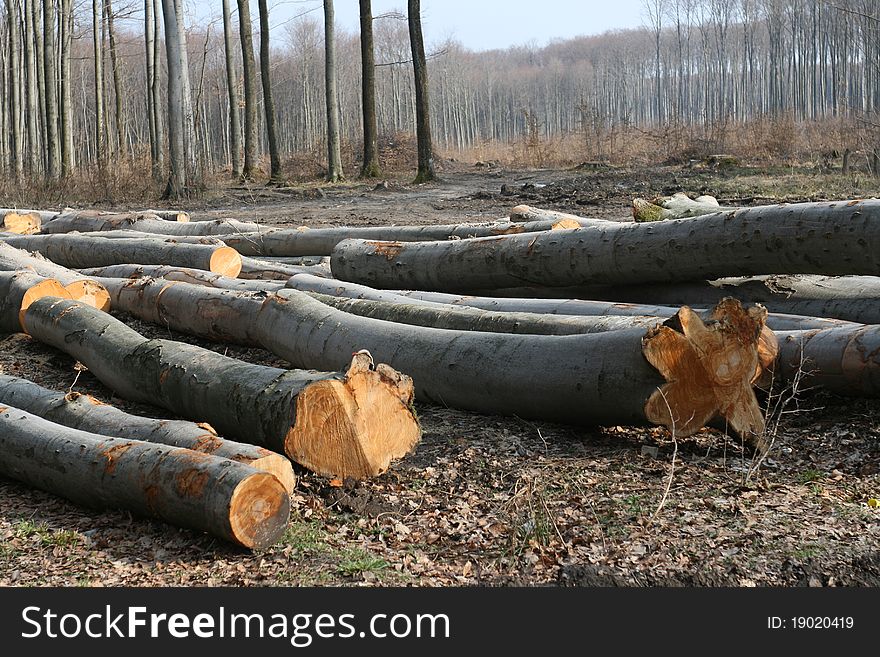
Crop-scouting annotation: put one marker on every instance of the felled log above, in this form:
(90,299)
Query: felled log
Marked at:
(320,241)
(21,223)
(86,413)
(850,298)
(210,240)
(775,321)
(145,222)
(350,423)
(462,318)
(18,290)
(253,268)
(844,360)
(677,206)
(80,251)
(602,378)
(528,213)
(818,238)
(106,275)
(169,215)
(185,488)
(77,285)
(334,287)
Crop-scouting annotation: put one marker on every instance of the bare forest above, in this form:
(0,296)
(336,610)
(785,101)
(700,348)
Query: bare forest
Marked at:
(296,303)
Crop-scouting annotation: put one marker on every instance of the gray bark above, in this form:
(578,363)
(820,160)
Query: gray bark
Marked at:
(232,93)
(808,238)
(80,251)
(275,174)
(249,67)
(110,275)
(86,413)
(425,145)
(334,157)
(370,167)
(249,403)
(226,499)
(177,178)
(53,144)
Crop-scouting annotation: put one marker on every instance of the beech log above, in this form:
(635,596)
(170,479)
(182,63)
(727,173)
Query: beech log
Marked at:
(180,274)
(264,270)
(528,213)
(18,290)
(845,360)
(77,285)
(80,251)
(189,489)
(350,423)
(44,215)
(86,413)
(808,238)
(146,222)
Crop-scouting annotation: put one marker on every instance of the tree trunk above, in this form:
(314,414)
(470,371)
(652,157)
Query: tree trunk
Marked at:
(180,274)
(100,120)
(77,285)
(88,221)
(168,215)
(155,95)
(420,71)
(185,488)
(53,145)
(844,360)
(532,376)
(177,178)
(349,423)
(275,174)
(31,91)
(86,413)
(808,238)
(250,89)
(121,147)
(262,270)
(66,37)
(334,156)
(370,167)
(18,290)
(528,213)
(232,93)
(17,63)
(850,298)
(79,251)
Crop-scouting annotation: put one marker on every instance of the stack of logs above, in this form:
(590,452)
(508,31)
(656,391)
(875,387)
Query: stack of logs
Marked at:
(520,316)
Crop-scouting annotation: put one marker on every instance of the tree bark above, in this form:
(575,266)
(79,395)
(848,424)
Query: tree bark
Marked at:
(77,285)
(185,488)
(350,423)
(275,174)
(808,238)
(18,290)
(850,298)
(177,178)
(254,269)
(584,379)
(232,93)
(80,251)
(334,157)
(100,116)
(844,360)
(180,274)
(121,148)
(370,167)
(53,145)
(66,127)
(86,413)
(249,69)
(88,221)
(425,145)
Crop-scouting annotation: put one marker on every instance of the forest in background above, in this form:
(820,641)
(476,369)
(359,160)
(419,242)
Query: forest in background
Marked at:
(761,78)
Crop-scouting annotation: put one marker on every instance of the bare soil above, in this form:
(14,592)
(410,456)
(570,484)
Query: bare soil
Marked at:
(499,501)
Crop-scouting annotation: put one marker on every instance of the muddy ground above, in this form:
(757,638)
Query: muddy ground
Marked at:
(499,501)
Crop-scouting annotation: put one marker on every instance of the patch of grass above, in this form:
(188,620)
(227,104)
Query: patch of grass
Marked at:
(306,538)
(47,537)
(355,562)
(806,553)
(808,476)
(633,504)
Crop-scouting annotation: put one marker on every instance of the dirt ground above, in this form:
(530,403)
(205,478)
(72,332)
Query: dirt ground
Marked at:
(500,501)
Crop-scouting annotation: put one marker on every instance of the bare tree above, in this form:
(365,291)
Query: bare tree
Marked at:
(275,175)
(420,72)
(100,131)
(249,67)
(334,157)
(177,180)
(53,146)
(370,167)
(117,87)
(232,93)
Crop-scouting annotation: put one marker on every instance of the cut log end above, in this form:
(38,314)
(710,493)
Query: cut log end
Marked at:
(709,368)
(354,427)
(565,224)
(278,466)
(226,261)
(22,224)
(90,293)
(47,288)
(259,511)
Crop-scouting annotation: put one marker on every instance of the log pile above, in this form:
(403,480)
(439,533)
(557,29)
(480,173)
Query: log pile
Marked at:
(674,322)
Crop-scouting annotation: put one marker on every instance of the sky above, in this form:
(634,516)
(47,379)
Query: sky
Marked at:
(481,24)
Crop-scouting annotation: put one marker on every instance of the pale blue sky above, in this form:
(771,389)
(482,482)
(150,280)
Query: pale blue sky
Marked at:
(478,24)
